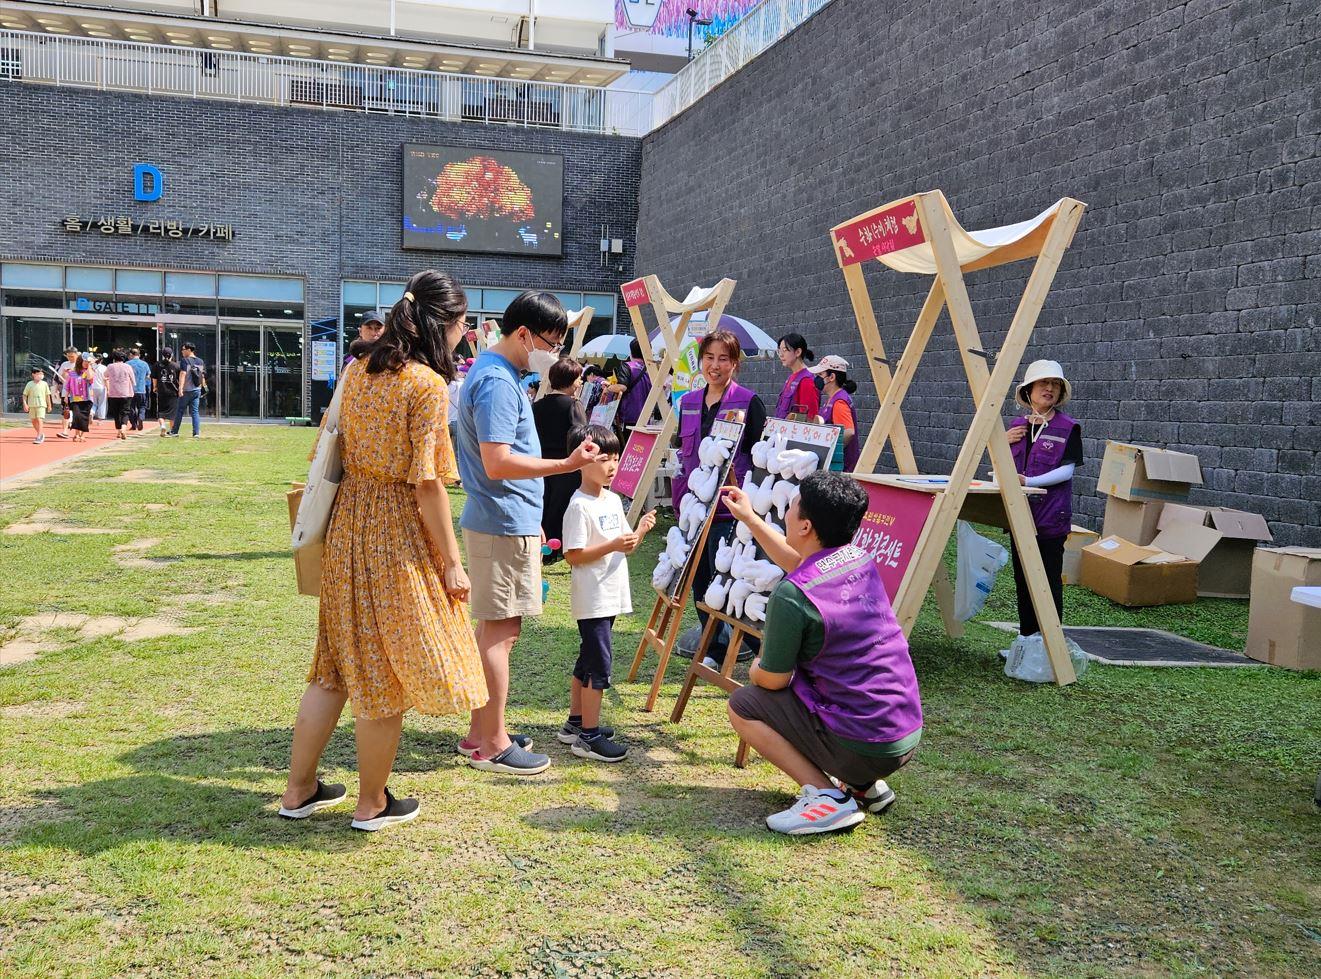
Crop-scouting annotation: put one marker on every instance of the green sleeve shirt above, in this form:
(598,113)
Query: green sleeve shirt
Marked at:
(794,634)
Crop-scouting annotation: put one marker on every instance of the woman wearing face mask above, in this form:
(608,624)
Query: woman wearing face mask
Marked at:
(719,354)
(1047,447)
(832,380)
(799,395)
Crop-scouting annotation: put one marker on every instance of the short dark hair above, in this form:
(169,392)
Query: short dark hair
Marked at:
(188,346)
(117,356)
(605,438)
(564,372)
(540,312)
(635,348)
(37,369)
(835,503)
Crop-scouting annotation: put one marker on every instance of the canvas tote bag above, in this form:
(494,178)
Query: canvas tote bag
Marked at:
(318,500)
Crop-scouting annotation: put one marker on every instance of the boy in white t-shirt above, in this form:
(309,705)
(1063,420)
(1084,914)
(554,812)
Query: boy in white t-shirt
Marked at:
(596,539)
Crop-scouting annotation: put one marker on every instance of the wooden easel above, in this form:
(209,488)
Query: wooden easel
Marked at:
(722,678)
(662,630)
(578,327)
(920,234)
(648,290)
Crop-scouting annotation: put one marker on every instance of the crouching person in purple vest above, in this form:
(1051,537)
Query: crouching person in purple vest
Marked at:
(1047,447)
(833,699)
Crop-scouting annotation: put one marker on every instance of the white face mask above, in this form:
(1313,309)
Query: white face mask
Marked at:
(540,361)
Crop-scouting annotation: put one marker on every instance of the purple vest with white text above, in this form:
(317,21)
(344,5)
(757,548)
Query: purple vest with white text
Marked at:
(630,405)
(1052,513)
(861,685)
(851,449)
(737,398)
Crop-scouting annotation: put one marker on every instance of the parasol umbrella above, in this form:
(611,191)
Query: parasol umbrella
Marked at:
(754,341)
(610,345)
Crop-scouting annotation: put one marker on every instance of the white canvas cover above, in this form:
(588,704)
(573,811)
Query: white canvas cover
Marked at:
(969,246)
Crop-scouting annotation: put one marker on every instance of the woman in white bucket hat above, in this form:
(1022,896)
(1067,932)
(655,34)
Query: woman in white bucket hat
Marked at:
(1047,447)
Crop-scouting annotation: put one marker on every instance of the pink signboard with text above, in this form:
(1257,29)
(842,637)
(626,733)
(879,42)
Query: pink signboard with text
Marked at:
(633,461)
(890,530)
(874,235)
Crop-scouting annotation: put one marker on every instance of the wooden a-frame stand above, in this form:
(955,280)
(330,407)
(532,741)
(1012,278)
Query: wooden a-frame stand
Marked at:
(920,234)
(722,678)
(578,328)
(637,294)
(662,630)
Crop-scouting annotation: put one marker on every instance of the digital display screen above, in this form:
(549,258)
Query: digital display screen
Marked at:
(461,199)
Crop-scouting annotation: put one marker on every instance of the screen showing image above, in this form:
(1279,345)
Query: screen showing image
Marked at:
(460,199)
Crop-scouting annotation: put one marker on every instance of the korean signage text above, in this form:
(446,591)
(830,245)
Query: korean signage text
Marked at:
(890,529)
(874,235)
(161,228)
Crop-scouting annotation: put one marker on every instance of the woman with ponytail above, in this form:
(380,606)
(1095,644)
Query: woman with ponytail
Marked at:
(799,395)
(832,377)
(393,632)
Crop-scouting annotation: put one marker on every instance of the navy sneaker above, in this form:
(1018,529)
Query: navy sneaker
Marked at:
(512,761)
(395,811)
(569,733)
(324,797)
(599,748)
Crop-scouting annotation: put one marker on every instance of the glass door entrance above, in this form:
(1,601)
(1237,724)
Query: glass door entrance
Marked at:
(240,372)
(260,374)
(283,395)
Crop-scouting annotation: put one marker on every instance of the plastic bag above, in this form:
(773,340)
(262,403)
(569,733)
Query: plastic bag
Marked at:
(1027,659)
(979,560)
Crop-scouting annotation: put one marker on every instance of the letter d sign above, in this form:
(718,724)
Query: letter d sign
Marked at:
(148,182)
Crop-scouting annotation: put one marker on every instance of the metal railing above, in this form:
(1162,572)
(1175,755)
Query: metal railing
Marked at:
(241,77)
(762,27)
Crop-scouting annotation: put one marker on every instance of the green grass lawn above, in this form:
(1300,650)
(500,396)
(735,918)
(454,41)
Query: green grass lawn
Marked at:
(1140,822)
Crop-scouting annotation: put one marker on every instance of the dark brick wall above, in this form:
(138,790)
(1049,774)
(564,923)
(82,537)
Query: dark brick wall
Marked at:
(1186,311)
(309,193)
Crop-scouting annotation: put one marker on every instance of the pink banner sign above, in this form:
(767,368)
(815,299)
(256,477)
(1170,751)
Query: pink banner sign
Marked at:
(874,235)
(889,532)
(632,462)
(635,293)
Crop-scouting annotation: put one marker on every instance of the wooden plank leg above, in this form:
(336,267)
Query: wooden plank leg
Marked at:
(741,756)
(945,602)
(731,651)
(643,642)
(668,637)
(690,681)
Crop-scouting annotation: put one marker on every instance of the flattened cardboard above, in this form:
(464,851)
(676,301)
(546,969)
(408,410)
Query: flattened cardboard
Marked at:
(1227,571)
(1190,540)
(1281,631)
(1124,572)
(1079,537)
(1135,520)
(1143,472)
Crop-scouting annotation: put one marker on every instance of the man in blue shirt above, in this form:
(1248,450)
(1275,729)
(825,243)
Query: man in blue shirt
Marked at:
(141,378)
(500,462)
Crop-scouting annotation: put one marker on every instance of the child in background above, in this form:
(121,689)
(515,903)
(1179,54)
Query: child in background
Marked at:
(36,402)
(596,540)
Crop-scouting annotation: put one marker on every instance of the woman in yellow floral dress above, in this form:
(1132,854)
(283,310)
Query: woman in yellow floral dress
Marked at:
(394,632)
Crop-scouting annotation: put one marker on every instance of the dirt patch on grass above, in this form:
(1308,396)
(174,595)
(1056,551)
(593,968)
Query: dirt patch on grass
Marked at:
(158,476)
(31,636)
(22,651)
(202,598)
(52,522)
(130,555)
(43,709)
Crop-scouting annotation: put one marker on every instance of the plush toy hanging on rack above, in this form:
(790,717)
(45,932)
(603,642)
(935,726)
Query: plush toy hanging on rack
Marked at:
(715,453)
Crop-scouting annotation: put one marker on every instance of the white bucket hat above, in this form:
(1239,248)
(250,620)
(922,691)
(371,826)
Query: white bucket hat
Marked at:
(1043,370)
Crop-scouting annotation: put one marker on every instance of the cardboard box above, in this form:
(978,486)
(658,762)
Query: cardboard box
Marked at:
(1281,631)
(1133,575)
(1227,571)
(1079,537)
(1141,472)
(1133,520)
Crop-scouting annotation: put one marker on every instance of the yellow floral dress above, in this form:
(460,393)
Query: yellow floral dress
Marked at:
(389,635)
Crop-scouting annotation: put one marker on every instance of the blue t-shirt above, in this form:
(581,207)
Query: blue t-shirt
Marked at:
(141,371)
(493,408)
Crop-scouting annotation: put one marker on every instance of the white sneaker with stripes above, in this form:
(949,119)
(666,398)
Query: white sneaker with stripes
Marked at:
(816,811)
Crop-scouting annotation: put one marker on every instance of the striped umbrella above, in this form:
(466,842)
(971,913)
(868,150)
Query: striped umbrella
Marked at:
(755,341)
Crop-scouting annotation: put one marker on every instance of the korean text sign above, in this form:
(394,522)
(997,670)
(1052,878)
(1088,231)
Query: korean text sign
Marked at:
(890,529)
(632,462)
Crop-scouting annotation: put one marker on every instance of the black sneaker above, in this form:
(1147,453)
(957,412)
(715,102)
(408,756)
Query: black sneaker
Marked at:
(569,733)
(599,748)
(512,761)
(324,797)
(395,811)
(875,798)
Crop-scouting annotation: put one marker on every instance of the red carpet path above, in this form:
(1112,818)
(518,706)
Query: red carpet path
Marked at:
(18,455)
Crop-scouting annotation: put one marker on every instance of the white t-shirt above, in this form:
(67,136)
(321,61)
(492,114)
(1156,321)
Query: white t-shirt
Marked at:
(598,589)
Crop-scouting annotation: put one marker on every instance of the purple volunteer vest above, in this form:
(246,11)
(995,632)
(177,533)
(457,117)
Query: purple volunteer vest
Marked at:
(737,398)
(861,685)
(630,406)
(786,402)
(1052,513)
(853,449)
